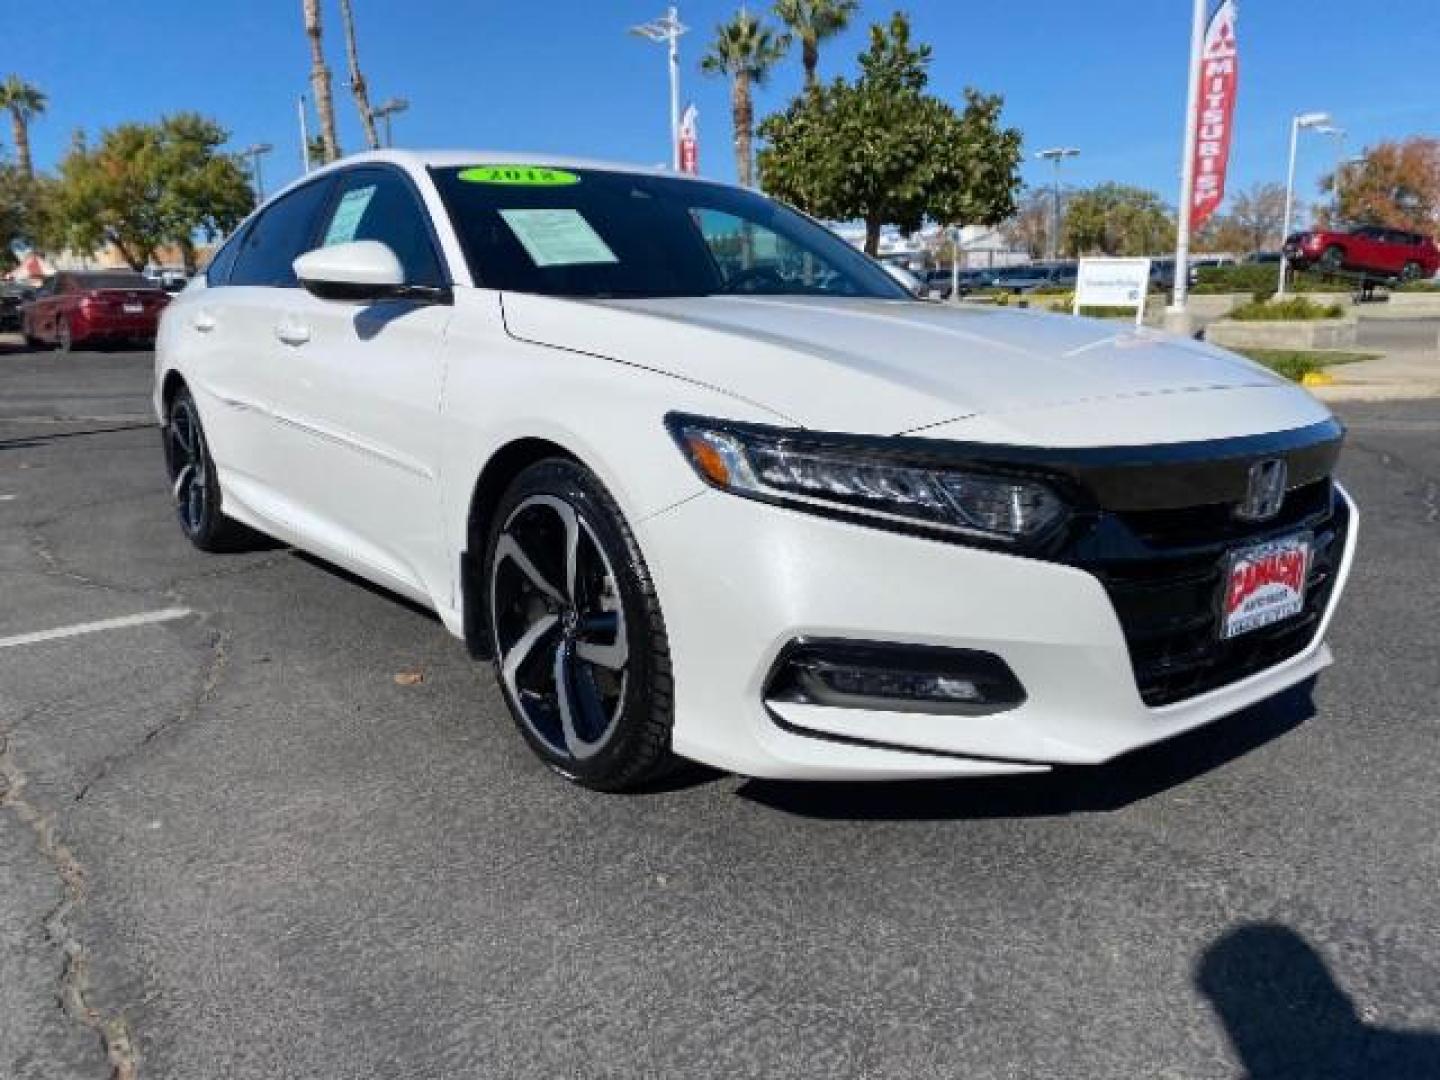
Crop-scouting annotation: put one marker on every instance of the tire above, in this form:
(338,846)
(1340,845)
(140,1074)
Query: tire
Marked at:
(1332,260)
(1410,272)
(580,654)
(194,482)
(63,340)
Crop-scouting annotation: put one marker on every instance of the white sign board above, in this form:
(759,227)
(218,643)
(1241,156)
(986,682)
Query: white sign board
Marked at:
(1113,283)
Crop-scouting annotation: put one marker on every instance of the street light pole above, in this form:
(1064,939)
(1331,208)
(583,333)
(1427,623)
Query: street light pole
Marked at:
(668,29)
(1339,134)
(1055,155)
(254,153)
(387,109)
(1297,122)
(304,137)
(1346,164)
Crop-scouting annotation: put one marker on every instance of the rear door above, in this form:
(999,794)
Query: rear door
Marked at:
(228,335)
(358,386)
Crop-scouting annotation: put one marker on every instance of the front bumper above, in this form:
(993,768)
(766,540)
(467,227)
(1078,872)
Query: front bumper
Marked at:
(739,580)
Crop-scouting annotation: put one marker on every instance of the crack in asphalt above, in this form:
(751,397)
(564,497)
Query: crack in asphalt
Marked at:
(210,681)
(111,1028)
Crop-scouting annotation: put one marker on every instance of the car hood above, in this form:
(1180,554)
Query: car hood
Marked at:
(885,367)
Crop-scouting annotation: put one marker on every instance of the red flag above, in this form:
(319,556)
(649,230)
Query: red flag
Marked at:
(1215,122)
(690,141)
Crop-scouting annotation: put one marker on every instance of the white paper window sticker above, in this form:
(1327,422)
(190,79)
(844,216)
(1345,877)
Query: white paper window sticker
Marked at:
(558,237)
(348,213)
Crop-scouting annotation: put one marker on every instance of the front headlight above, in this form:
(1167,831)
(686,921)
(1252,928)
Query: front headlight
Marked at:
(791,468)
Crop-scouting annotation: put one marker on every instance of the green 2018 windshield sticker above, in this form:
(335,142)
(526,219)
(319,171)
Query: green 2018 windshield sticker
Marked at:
(519,176)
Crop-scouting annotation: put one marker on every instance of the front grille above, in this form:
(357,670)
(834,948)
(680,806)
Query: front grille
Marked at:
(1163,571)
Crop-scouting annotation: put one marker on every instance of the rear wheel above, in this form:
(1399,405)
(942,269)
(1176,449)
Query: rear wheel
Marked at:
(576,631)
(1333,259)
(193,481)
(1411,272)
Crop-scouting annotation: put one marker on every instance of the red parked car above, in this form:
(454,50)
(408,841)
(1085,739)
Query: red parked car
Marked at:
(1369,249)
(90,307)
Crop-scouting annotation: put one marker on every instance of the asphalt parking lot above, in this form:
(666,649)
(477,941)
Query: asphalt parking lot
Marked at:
(233,844)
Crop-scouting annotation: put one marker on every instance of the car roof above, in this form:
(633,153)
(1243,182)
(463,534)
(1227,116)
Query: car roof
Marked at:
(419,160)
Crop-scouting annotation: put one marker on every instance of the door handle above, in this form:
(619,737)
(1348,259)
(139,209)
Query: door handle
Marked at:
(292,333)
(203,321)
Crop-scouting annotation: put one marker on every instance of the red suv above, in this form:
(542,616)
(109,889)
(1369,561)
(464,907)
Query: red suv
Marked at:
(77,308)
(1370,249)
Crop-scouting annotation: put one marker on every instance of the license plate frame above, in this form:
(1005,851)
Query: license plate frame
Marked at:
(1264,584)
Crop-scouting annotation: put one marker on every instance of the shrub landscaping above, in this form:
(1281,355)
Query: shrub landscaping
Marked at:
(1293,309)
(1295,364)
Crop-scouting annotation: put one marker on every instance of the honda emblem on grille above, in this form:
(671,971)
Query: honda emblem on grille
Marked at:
(1264,492)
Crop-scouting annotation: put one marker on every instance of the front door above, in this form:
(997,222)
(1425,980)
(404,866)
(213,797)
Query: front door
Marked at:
(359,386)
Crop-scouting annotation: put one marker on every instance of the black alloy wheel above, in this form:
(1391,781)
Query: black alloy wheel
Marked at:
(576,632)
(193,482)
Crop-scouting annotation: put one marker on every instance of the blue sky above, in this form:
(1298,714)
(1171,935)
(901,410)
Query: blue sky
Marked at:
(1106,76)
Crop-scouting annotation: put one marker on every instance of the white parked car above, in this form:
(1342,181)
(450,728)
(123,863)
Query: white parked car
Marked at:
(703,481)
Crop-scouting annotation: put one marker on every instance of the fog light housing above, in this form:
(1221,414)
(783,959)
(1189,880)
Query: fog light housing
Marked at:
(889,677)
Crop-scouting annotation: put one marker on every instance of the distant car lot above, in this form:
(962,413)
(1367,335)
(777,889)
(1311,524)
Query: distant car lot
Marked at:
(299,864)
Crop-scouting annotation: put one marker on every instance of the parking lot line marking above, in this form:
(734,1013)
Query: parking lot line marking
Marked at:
(122,623)
(7,498)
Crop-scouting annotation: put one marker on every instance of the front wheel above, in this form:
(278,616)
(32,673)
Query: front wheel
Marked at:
(576,631)
(1333,260)
(1411,272)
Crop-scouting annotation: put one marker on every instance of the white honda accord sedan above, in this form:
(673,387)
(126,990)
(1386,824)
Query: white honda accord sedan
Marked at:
(702,481)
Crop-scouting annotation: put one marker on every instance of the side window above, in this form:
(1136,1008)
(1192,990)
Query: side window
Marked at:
(282,232)
(218,272)
(377,204)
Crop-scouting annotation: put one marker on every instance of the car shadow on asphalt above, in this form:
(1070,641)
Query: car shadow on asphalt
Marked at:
(1066,790)
(363,583)
(1287,1018)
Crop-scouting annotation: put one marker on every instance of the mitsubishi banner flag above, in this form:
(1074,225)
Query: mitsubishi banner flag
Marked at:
(690,141)
(1219,77)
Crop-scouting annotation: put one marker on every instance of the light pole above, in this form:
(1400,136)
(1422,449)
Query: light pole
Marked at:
(668,29)
(1055,155)
(1343,174)
(254,153)
(387,109)
(1339,135)
(1298,123)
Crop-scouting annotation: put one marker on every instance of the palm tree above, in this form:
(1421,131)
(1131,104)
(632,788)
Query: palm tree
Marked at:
(320,79)
(25,101)
(745,50)
(814,21)
(357,81)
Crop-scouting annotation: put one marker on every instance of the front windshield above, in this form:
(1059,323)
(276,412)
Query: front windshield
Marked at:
(592,233)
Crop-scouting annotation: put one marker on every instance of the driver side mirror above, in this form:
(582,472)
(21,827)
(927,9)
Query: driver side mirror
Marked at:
(361,271)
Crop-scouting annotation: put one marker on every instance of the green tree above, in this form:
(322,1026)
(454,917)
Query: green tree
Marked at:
(145,185)
(24,101)
(21,206)
(814,21)
(1115,219)
(745,50)
(205,192)
(885,152)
